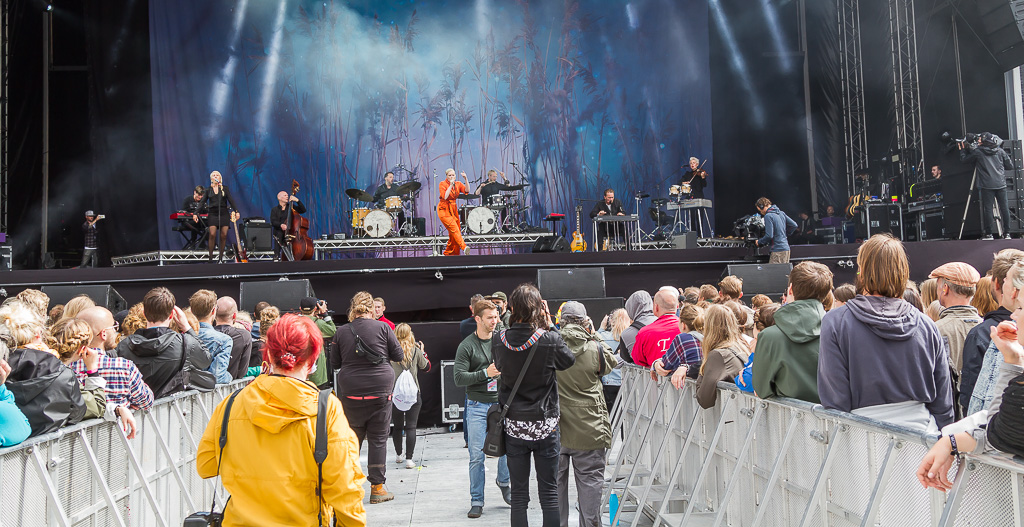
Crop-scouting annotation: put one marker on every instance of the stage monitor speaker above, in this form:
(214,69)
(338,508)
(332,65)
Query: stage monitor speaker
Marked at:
(597,308)
(285,294)
(587,282)
(102,295)
(420,226)
(766,279)
(258,237)
(686,240)
(551,244)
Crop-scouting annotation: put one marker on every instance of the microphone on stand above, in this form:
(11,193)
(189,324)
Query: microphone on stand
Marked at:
(435,173)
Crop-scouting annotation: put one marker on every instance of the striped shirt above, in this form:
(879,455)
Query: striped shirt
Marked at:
(125,386)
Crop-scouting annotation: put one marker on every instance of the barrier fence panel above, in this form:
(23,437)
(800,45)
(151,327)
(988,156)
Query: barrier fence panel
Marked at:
(781,462)
(91,474)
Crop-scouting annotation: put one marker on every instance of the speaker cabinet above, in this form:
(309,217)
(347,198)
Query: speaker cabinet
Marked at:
(258,237)
(767,279)
(102,295)
(686,240)
(285,294)
(551,244)
(587,282)
(420,226)
(597,308)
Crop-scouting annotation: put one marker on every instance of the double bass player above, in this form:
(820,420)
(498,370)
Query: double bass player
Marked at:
(279,222)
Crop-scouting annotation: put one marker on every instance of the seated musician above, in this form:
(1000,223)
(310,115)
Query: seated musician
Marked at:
(491,187)
(609,206)
(279,222)
(191,207)
(386,190)
(697,178)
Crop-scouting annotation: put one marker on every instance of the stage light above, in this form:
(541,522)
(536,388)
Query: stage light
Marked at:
(737,61)
(773,24)
(49,7)
(270,80)
(222,85)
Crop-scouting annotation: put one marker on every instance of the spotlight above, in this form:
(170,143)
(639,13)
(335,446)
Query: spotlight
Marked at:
(49,7)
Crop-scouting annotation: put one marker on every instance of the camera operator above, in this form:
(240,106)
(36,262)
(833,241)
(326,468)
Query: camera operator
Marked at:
(992,162)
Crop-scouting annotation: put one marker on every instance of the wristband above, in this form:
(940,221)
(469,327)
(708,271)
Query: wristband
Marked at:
(952,442)
(92,373)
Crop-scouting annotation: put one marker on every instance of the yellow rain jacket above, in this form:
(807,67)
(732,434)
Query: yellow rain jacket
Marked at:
(268,465)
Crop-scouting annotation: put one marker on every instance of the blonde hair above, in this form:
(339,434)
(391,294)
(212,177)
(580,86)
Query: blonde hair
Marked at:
(731,287)
(449,171)
(68,336)
(131,324)
(984,299)
(76,305)
(23,321)
(720,331)
(929,291)
(619,321)
(362,304)
(933,310)
(408,342)
(35,299)
(268,316)
(693,316)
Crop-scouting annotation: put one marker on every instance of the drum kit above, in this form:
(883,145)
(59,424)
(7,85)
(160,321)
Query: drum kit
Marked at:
(380,222)
(502,212)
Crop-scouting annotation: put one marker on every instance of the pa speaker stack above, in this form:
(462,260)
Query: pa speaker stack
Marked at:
(585,285)
(284,294)
(765,279)
(551,244)
(102,295)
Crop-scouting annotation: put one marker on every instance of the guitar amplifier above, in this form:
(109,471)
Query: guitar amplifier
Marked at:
(257,236)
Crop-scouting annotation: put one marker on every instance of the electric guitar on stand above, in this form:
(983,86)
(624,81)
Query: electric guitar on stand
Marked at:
(240,254)
(578,245)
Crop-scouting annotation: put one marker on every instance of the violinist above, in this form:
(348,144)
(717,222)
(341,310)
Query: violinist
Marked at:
(279,219)
(216,200)
(697,177)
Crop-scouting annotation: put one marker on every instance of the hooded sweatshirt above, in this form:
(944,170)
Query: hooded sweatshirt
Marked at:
(776,226)
(583,421)
(157,352)
(273,420)
(640,308)
(992,162)
(879,350)
(786,363)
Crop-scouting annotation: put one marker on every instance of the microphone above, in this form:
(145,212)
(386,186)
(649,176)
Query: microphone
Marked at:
(435,173)
(514,163)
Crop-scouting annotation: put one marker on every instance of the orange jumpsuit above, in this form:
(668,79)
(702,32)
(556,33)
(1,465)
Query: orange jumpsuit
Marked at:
(448,213)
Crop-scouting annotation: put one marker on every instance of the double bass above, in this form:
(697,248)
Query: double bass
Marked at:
(297,240)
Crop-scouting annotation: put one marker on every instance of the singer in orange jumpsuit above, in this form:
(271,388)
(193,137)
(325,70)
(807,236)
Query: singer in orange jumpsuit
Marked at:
(448,210)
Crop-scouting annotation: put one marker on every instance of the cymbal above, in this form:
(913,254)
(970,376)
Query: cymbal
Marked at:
(411,186)
(358,194)
(469,197)
(659,201)
(516,187)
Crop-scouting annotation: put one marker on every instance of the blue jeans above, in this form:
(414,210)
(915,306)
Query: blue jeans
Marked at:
(476,427)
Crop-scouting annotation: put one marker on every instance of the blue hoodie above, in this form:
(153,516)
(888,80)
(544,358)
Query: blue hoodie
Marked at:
(878,350)
(776,226)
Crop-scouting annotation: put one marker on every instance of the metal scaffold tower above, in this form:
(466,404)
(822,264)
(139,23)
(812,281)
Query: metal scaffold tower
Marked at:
(906,91)
(852,84)
(5,39)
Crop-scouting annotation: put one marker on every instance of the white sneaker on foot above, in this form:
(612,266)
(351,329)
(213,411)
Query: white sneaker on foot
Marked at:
(410,463)
(400,459)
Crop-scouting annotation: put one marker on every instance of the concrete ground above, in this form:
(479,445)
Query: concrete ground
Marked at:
(436,492)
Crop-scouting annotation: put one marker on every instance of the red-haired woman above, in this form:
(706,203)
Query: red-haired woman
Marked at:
(273,420)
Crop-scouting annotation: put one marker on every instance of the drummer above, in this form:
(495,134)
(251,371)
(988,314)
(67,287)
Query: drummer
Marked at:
(491,187)
(696,177)
(387,190)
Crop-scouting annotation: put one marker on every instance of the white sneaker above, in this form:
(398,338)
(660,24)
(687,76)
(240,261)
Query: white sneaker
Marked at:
(410,463)
(400,459)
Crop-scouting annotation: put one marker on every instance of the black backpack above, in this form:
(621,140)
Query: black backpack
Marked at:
(46,391)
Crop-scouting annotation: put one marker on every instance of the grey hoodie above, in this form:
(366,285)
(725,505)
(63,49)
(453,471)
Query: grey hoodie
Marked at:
(640,308)
(878,350)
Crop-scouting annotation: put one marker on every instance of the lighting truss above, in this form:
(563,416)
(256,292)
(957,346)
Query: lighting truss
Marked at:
(851,70)
(906,90)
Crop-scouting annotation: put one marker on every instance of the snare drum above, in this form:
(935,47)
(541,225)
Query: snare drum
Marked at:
(497,201)
(357,217)
(481,220)
(393,203)
(378,223)
(673,190)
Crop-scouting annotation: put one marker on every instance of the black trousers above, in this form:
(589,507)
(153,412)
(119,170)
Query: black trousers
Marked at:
(611,392)
(545,458)
(999,197)
(370,419)
(405,421)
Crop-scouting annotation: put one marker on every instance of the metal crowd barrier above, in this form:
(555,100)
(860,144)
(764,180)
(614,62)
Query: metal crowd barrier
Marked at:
(752,462)
(90,474)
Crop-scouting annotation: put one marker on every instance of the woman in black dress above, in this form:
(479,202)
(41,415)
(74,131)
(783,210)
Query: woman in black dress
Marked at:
(217,198)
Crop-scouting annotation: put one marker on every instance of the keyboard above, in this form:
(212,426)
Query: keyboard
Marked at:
(689,204)
(182,215)
(612,219)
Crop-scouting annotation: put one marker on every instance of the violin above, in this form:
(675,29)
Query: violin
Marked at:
(297,236)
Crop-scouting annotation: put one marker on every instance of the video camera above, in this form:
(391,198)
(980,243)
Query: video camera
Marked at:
(951,141)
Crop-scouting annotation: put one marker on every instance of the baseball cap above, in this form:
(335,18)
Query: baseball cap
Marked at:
(572,308)
(958,273)
(497,295)
(308,303)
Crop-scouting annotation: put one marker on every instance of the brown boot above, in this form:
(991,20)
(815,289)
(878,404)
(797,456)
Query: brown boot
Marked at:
(378,494)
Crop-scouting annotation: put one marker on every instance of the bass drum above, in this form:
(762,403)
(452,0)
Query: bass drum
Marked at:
(481,220)
(378,224)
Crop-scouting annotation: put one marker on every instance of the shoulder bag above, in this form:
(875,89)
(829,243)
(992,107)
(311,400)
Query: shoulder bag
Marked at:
(193,378)
(494,440)
(364,351)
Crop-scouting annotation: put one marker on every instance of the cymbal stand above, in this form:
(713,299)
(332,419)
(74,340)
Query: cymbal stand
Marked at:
(639,203)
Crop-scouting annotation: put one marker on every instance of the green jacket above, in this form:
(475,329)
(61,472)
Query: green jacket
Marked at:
(786,355)
(327,329)
(471,362)
(583,424)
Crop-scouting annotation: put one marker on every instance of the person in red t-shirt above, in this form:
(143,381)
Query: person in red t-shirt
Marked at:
(378,312)
(654,338)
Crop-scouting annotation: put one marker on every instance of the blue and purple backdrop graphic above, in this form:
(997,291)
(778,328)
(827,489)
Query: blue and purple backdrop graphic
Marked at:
(581,96)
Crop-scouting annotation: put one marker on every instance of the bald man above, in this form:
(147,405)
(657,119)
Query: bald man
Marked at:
(653,339)
(124,386)
(241,340)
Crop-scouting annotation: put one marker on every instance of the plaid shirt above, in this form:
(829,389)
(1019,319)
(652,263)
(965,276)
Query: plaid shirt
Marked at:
(125,386)
(90,235)
(685,349)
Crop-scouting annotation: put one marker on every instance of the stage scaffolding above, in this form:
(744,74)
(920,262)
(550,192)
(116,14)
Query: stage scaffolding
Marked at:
(852,82)
(5,38)
(906,91)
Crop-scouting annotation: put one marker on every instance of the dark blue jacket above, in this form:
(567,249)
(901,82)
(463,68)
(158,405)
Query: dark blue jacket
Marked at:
(776,226)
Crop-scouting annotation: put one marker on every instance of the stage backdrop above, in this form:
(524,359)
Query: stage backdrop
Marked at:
(579,96)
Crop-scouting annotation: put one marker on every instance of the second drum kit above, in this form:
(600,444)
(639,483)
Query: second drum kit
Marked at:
(499,215)
(380,222)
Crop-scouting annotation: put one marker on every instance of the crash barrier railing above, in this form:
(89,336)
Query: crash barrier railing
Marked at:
(752,462)
(91,474)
